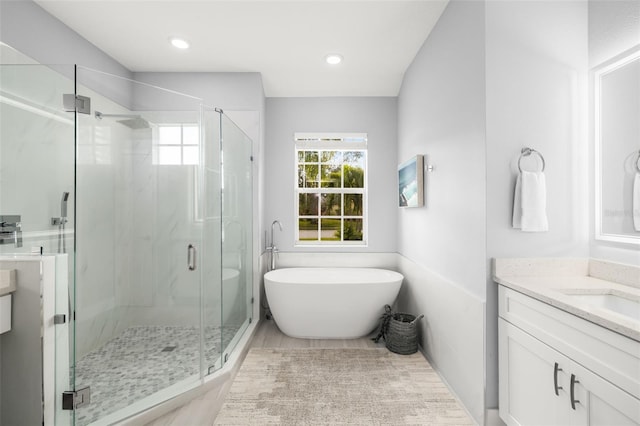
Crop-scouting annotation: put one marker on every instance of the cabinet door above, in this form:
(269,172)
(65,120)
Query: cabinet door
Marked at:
(606,404)
(529,379)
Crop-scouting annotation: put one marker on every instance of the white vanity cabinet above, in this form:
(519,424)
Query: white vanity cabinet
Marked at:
(558,369)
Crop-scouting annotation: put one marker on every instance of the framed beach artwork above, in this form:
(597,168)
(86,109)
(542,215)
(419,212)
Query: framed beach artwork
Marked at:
(411,182)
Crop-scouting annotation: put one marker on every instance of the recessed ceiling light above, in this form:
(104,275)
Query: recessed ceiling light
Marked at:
(333,59)
(179,42)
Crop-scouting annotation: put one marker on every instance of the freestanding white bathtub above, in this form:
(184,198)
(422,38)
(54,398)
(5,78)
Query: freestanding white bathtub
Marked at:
(330,303)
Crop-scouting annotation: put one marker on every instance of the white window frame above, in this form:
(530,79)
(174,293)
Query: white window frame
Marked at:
(157,146)
(343,142)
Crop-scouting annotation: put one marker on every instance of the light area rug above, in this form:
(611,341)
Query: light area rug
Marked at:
(338,387)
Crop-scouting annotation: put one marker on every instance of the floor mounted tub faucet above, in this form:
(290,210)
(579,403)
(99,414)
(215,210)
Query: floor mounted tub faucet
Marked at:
(272,249)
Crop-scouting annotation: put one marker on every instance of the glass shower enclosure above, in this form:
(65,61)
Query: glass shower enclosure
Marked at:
(147,195)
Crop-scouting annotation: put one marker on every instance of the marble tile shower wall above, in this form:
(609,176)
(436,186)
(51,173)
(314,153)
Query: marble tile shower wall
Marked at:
(124,212)
(36,152)
(104,212)
(142,223)
(136,261)
(165,292)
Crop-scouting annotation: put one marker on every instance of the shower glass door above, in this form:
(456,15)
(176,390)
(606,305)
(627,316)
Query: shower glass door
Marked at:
(212,248)
(236,160)
(227,279)
(139,232)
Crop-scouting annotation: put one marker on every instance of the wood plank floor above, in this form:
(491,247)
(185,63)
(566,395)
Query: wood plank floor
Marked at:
(203,410)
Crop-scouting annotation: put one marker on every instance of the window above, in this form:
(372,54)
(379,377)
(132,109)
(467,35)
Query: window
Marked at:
(331,188)
(178,144)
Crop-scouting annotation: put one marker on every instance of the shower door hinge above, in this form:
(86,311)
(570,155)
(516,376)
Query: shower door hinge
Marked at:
(59,319)
(250,320)
(76,103)
(252,300)
(251,158)
(72,400)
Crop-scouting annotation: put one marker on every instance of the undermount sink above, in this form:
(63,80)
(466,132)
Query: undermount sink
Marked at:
(622,304)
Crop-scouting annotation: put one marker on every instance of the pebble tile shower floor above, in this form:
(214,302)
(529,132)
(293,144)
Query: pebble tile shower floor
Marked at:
(140,362)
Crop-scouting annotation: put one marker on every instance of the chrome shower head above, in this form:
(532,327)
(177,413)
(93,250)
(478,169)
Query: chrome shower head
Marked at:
(132,121)
(136,123)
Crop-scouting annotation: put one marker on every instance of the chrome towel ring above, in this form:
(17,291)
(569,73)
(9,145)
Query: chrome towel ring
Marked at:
(525,152)
(638,162)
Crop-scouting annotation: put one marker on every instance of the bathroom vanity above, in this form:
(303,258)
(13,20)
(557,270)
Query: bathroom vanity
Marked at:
(569,342)
(34,352)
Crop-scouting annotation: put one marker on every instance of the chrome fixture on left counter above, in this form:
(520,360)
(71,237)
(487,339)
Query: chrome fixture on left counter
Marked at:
(11,230)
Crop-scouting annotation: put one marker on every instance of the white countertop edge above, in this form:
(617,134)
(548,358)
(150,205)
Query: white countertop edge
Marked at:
(538,288)
(7,281)
(7,290)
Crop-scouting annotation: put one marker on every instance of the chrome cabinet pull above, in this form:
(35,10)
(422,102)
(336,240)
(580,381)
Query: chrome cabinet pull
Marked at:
(556,368)
(573,387)
(191,257)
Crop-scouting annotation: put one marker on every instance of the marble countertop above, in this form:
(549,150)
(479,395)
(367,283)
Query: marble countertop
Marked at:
(559,290)
(7,281)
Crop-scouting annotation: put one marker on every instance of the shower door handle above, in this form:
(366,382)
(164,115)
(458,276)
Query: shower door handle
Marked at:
(191,257)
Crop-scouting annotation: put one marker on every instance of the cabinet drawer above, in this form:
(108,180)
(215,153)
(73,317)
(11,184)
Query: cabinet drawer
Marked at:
(614,357)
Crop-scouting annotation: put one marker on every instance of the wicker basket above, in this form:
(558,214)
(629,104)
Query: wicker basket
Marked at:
(401,335)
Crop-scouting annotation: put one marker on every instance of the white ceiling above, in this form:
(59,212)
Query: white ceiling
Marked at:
(285,41)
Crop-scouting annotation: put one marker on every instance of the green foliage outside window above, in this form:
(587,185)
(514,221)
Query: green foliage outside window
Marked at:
(331,195)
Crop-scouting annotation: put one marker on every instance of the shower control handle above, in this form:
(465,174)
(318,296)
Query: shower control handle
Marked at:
(191,257)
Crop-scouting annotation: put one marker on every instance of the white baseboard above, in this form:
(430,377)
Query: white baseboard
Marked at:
(492,418)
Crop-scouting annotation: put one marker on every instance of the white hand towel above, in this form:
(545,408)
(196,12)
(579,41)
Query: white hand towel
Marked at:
(517,204)
(636,202)
(534,202)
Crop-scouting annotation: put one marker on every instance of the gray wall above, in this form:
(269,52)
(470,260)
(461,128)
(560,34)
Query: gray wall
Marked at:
(27,27)
(486,83)
(229,91)
(441,114)
(536,97)
(376,116)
